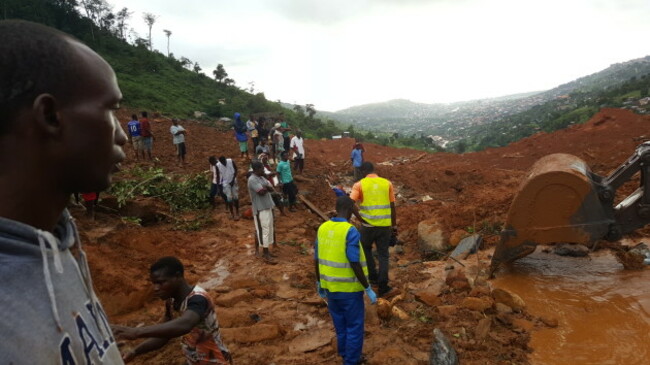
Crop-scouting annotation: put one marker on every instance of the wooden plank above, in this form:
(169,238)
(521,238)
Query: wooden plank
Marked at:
(313,208)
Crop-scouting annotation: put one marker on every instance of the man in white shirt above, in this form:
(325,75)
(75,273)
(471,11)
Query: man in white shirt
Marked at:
(298,148)
(178,137)
(228,180)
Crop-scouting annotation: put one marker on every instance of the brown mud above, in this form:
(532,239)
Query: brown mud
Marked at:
(270,314)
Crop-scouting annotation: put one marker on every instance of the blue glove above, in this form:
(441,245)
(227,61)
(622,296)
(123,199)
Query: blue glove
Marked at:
(321,292)
(371,295)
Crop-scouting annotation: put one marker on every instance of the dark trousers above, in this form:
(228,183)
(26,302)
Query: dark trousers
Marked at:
(380,236)
(291,190)
(347,315)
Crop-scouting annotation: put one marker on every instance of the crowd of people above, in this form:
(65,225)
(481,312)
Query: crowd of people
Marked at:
(59,116)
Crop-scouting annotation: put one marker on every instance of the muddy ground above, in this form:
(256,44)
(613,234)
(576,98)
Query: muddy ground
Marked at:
(270,314)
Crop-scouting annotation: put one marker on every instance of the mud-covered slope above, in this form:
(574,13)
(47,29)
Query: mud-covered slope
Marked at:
(271,314)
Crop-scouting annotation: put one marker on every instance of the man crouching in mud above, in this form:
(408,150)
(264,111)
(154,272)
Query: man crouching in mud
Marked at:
(196,319)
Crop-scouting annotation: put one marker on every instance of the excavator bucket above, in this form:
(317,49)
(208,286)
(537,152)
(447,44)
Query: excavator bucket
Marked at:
(559,201)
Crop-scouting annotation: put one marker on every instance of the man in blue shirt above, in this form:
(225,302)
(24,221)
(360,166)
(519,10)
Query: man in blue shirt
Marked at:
(342,278)
(357,160)
(286,180)
(135,135)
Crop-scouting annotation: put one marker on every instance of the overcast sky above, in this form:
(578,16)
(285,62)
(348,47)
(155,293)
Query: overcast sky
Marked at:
(339,53)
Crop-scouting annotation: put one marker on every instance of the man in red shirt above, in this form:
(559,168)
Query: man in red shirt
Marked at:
(147,135)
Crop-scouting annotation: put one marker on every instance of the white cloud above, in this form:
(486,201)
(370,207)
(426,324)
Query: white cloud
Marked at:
(339,53)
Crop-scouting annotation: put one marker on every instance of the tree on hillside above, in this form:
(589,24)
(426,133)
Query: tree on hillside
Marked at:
(219,73)
(310,110)
(122,17)
(229,82)
(150,19)
(251,87)
(196,68)
(96,11)
(186,62)
(168,33)
(298,109)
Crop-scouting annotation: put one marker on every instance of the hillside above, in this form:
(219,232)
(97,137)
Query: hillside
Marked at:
(498,121)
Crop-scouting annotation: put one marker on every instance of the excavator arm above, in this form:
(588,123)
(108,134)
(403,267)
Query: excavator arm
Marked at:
(561,200)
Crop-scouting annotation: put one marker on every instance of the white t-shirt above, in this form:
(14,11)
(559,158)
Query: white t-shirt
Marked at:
(180,138)
(227,172)
(298,142)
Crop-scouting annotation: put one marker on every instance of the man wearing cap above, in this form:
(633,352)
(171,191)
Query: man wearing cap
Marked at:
(378,221)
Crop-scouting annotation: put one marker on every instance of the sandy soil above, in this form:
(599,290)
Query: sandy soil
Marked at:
(270,314)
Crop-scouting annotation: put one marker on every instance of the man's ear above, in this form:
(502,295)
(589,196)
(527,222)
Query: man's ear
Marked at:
(46,114)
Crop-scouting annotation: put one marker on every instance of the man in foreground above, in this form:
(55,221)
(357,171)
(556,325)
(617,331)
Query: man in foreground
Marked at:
(378,221)
(342,278)
(189,312)
(58,135)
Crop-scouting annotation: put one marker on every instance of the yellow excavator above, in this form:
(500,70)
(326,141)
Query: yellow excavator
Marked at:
(561,200)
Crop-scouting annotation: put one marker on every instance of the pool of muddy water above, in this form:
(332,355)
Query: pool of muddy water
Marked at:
(603,311)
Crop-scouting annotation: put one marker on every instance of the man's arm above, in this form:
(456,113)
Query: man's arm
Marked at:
(393,215)
(167,330)
(148,345)
(358,272)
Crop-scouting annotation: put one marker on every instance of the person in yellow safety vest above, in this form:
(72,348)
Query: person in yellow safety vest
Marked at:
(342,278)
(378,218)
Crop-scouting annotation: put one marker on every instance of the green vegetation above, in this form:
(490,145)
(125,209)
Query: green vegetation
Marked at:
(180,192)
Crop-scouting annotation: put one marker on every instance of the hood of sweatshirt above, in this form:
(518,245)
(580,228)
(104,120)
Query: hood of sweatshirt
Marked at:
(47,289)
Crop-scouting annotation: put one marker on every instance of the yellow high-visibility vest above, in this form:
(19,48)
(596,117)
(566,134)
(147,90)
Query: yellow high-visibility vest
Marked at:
(375,207)
(336,274)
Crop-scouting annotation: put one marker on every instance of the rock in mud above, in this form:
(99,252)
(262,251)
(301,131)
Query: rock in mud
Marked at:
(512,300)
(502,308)
(571,249)
(482,328)
(230,299)
(477,304)
(456,279)
(428,297)
(384,308)
(467,246)
(311,341)
(636,258)
(430,236)
(256,333)
(441,351)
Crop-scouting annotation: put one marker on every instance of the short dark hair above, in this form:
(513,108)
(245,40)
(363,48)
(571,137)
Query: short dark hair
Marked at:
(257,165)
(344,203)
(212,160)
(144,114)
(35,60)
(222,159)
(367,167)
(134,117)
(170,265)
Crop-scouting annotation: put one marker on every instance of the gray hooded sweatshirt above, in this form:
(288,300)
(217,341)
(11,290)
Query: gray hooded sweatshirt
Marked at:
(49,313)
